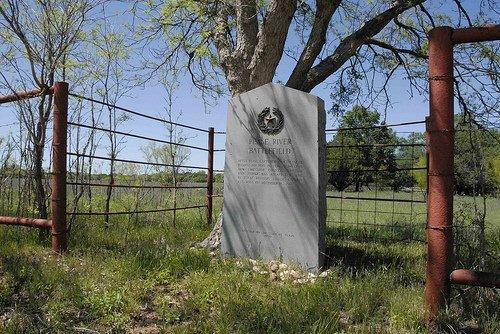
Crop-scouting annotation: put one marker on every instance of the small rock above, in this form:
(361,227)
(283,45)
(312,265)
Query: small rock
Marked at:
(294,274)
(344,318)
(282,266)
(324,274)
(256,269)
(274,267)
(273,277)
(252,261)
(284,274)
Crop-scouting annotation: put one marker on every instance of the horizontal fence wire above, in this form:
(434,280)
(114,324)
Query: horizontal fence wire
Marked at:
(381,199)
(137,136)
(373,211)
(401,226)
(134,161)
(395,159)
(376,170)
(376,126)
(137,113)
(134,212)
(133,186)
(377,145)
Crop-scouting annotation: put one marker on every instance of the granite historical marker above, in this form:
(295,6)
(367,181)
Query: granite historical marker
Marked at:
(275,176)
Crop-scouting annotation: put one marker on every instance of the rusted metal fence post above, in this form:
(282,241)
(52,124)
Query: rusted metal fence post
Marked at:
(440,136)
(59,147)
(210,174)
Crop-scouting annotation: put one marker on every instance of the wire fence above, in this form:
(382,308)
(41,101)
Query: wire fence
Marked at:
(95,172)
(163,169)
(376,182)
(377,178)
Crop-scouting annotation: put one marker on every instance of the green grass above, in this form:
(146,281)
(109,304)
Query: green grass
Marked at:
(144,277)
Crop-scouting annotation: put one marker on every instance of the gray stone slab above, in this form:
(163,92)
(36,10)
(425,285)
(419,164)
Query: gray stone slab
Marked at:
(275,177)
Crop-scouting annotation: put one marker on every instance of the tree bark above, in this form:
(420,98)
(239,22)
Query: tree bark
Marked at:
(271,41)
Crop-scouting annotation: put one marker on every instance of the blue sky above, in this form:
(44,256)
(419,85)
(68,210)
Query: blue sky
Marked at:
(189,103)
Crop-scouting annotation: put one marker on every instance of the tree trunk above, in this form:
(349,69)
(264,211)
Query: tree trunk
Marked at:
(358,186)
(109,190)
(174,176)
(212,242)
(41,203)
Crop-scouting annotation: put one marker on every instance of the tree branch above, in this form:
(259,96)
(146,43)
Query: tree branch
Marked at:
(395,50)
(317,38)
(14,25)
(351,43)
(461,9)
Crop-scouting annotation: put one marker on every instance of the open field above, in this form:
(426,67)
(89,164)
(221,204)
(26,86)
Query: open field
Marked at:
(404,220)
(143,277)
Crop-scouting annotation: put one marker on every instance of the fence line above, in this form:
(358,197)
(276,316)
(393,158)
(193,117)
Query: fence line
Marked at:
(376,170)
(375,126)
(59,174)
(371,211)
(401,226)
(134,161)
(137,136)
(380,199)
(376,145)
(133,186)
(137,113)
(350,209)
(134,212)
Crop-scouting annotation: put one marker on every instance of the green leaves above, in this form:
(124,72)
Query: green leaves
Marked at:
(477,156)
(352,150)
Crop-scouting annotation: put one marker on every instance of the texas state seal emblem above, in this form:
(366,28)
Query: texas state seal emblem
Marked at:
(270,121)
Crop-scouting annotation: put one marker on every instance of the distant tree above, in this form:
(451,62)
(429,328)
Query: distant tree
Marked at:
(421,176)
(477,152)
(407,158)
(477,159)
(495,167)
(406,154)
(173,153)
(359,152)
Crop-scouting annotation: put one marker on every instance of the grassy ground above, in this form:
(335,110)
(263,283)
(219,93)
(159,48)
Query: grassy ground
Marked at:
(145,278)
